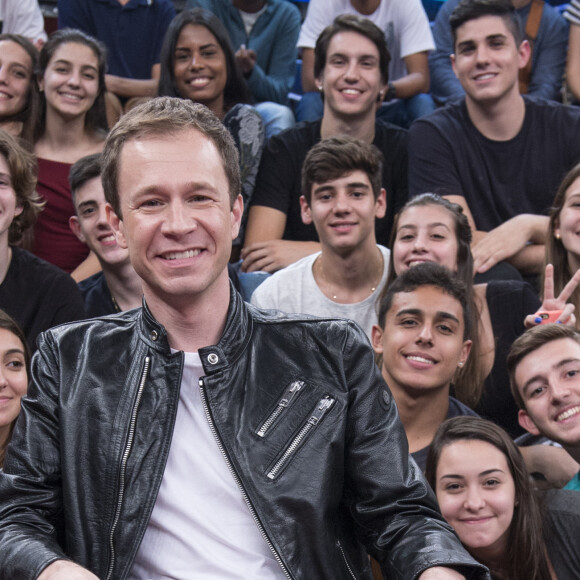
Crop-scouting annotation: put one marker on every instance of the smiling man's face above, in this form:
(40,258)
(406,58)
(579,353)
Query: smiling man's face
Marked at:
(487,59)
(548,380)
(178,219)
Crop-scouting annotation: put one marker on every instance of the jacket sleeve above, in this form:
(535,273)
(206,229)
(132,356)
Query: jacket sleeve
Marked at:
(394,509)
(549,55)
(273,75)
(30,486)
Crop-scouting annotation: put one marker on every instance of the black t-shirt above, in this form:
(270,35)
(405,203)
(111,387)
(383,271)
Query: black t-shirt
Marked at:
(456,409)
(498,179)
(509,302)
(278,184)
(97,296)
(39,295)
(561,532)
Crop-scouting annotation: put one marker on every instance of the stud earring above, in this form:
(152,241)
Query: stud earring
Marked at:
(557,236)
(460,365)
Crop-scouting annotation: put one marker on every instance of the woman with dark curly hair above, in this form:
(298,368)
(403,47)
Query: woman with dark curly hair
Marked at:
(35,293)
(198,63)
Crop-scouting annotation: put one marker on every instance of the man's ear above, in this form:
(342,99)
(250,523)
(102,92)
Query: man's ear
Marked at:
(305,211)
(452,59)
(377,338)
(319,82)
(75,226)
(381,204)
(117,226)
(524,53)
(526,422)
(236,214)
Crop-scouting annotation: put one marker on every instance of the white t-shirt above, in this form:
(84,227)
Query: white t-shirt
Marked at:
(294,290)
(22,17)
(201,527)
(404,22)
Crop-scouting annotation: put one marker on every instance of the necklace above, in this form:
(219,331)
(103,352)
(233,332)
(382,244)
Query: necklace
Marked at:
(328,285)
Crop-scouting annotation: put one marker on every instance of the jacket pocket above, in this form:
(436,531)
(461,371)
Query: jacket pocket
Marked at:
(286,401)
(316,416)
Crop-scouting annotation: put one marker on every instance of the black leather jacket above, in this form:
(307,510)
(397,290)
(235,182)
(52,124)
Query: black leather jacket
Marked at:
(323,475)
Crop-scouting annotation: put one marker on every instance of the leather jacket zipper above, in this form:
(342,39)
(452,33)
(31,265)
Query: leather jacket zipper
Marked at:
(345,560)
(289,396)
(239,481)
(320,410)
(124,460)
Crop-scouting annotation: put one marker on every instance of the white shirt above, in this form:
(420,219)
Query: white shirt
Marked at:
(295,291)
(201,527)
(404,23)
(22,17)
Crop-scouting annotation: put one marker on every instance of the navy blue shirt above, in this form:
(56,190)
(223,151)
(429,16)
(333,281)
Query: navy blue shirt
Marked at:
(133,34)
(97,296)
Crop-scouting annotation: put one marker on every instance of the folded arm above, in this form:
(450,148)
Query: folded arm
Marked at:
(264,249)
(519,240)
(417,79)
(125,87)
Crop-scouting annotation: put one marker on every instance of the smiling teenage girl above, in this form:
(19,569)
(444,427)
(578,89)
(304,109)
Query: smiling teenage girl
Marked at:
(485,493)
(14,364)
(198,63)
(18,100)
(71,124)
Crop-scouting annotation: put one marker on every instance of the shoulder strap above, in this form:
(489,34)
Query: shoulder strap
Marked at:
(531,33)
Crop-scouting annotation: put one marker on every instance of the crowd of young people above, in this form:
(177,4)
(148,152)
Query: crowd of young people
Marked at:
(464,276)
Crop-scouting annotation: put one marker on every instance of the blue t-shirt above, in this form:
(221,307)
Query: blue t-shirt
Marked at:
(574,483)
(133,34)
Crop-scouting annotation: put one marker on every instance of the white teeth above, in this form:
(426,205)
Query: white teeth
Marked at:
(70,96)
(181,255)
(108,238)
(420,359)
(200,81)
(416,263)
(351,91)
(567,414)
(485,77)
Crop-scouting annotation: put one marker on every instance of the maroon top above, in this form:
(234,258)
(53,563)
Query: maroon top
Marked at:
(53,239)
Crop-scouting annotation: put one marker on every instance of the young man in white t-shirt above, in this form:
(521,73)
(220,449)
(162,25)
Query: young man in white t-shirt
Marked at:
(409,39)
(342,197)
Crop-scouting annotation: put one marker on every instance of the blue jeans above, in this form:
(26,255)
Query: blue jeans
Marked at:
(402,112)
(276,117)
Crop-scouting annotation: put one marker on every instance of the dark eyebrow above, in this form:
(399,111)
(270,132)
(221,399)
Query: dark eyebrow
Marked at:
(87,203)
(412,311)
(483,473)
(496,37)
(465,44)
(447,316)
(14,351)
(323,188)
(539,377)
